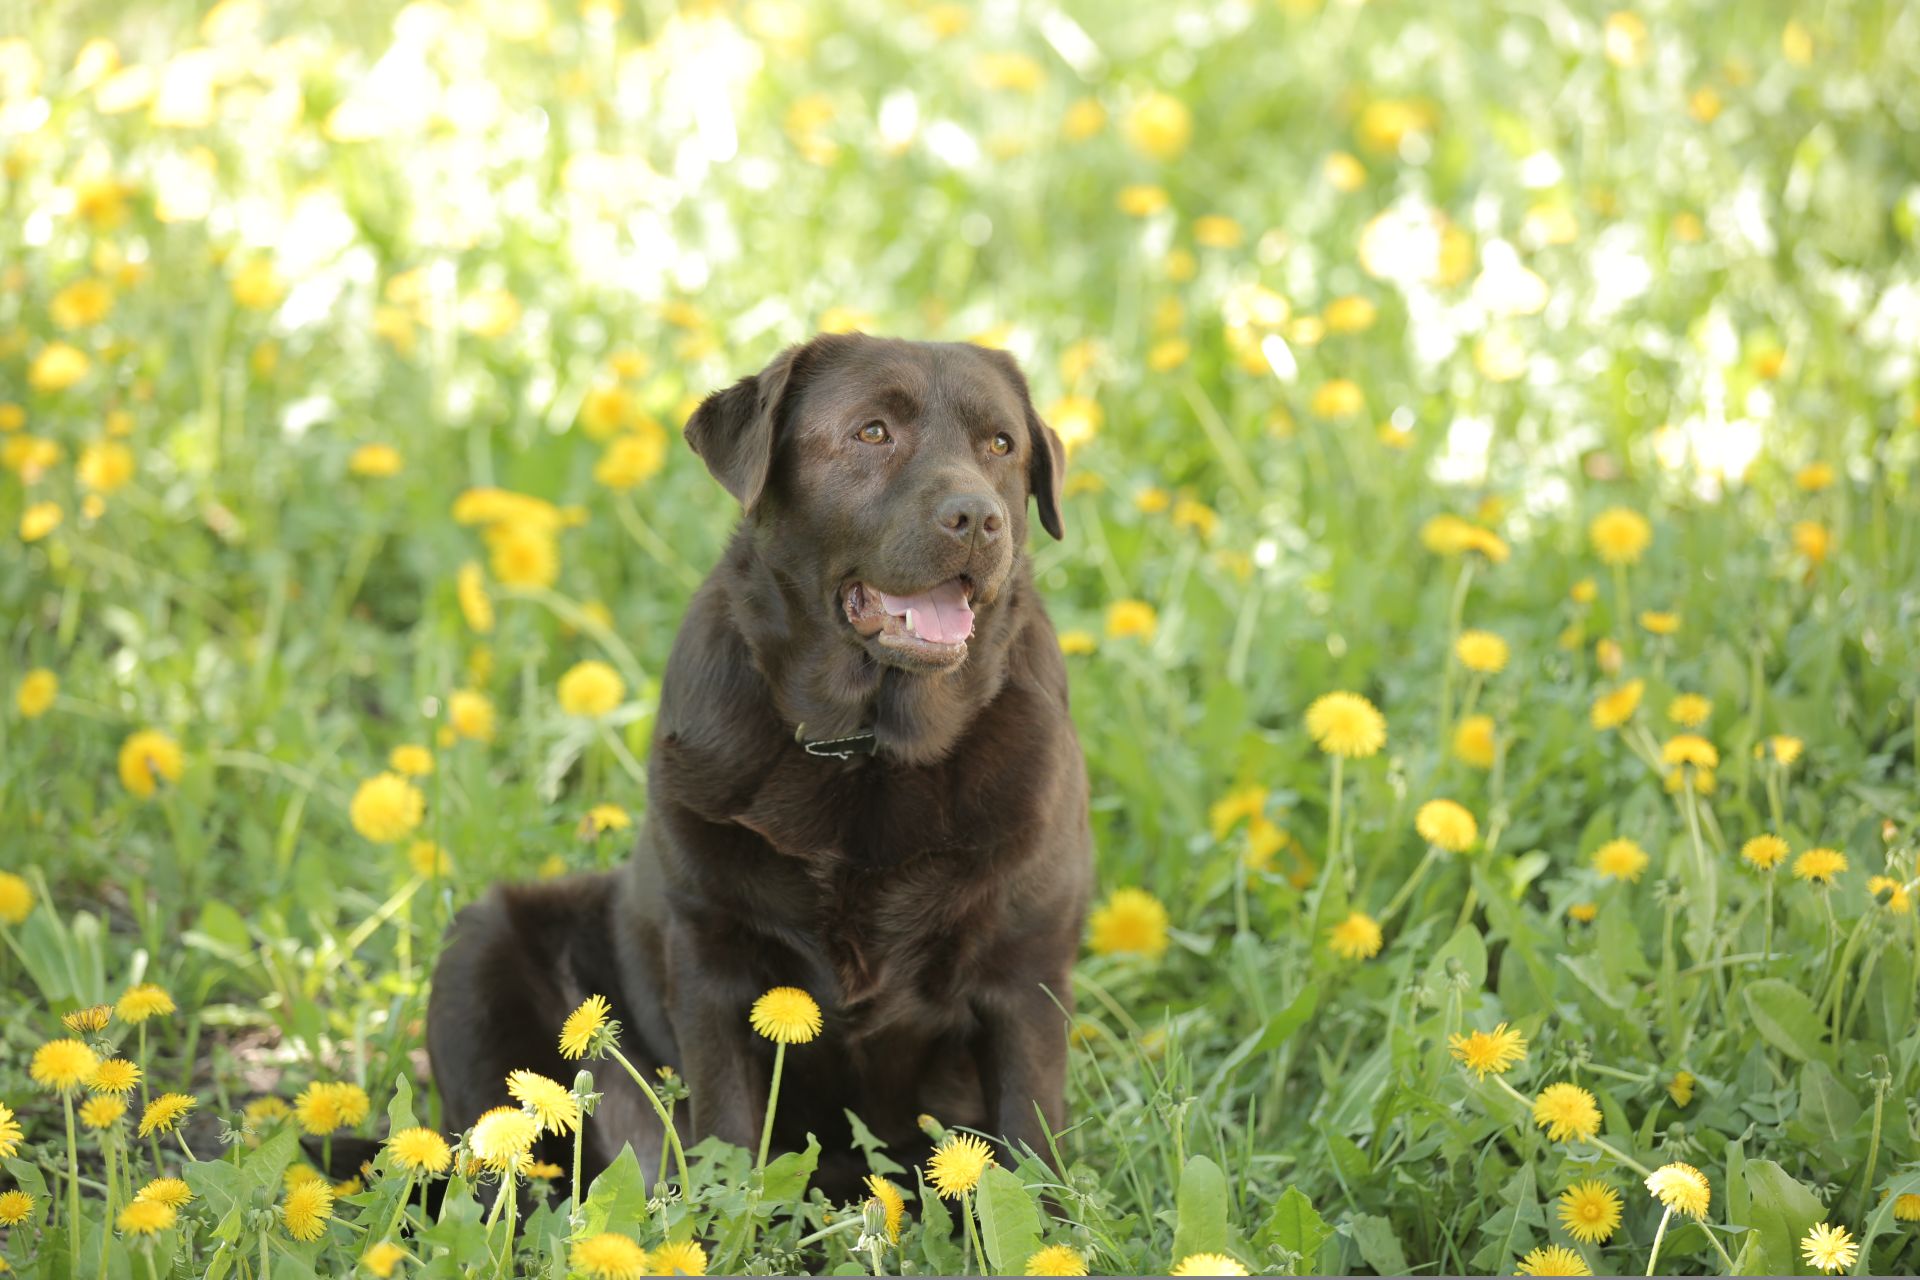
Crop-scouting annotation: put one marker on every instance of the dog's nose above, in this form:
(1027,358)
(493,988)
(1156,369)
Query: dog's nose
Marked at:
(970,517)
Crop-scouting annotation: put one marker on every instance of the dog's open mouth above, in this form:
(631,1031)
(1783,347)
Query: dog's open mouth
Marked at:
(930,626)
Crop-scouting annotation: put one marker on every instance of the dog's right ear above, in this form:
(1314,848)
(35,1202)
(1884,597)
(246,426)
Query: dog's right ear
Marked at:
(733,430)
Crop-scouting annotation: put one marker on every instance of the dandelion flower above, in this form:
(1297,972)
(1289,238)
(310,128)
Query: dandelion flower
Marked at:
(14,1207)
(957,1166)
(1584,912)
(1158,126)
(1906,1207)
(684,1258)
(36,693)
(1489,1052)
(1660,622)
(1590,1211)
(165,1112)
(1820,865)
(1447,824)
(11,1133)
(1357,937)
(550,1102)
(603,818)
(411,760)
(420,1150)
(1553,1260)
(1346,724)
(383,1258)
(1620,860)
(92,1018)
(591,689)
(1764,852)
(146,1218)
(168,1191)
(325,1107)
(1481,651)
(1207,1264)
(62,1065)
(102,1112)
(16,898)
(1689,710)
(1567,1112)
(1829,1248)
(307,1209)
(142,1002)
(893,1205)
(1130,921)
(1690,749)
(1899,901)
(1620,536)
(786,1015)
(471,715)
(1682,1187)
(1473,741)
(502,1137)
(1135,618)
(609,1256)
(116,1076)
(1615,708)
(1056,1260)
(583,1027)
(146,759)
(1784,748)
(387,808)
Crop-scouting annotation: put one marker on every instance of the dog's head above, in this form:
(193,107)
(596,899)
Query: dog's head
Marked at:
(893,477)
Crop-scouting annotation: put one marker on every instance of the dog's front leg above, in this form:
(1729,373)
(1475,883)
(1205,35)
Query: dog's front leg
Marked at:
(1023,1060)
(708,997)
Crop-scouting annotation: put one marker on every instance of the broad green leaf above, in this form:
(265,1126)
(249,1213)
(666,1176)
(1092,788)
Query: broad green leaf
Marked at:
(1511,1229)
(1294,1225)
(1785,1018)
(1827,1111)
(876,1153)
(1779,1211)
(1200,1209)
(786,1177)
(617,1197)
(1378,1245)
(1278,1030)
(1010,1224)
(943,1252)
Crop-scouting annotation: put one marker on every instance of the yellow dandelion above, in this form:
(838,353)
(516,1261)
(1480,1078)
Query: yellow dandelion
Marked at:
(1207,1264)
(1620,536)
(1899,900)
(1129,922)
(170,1191)
(1567,1112)
(1487,1053)
(1785,748)
(58,366)
(1131,618)
(387,808)
(1346,724)
(1474,741)
(1553,1260)
(39,520)
(1814,477)
(1447,824)
(1620,859)
(603,818)
(1481,651)
(471,715)
(102,1112)
(92,1018)
(36,692)
(1681,1187)
(14,1207)
(1680,1088)
(164,1113)
(383,1259)
(591,689)
(144,1001)
(681,1258)
(410,760)
(116,1076)
(470,590)
(63,1065)
(1829,1248)
(1357,937)
(375,461)
(307,1208)
(893,1205)
(1906,1207)
(502,1137)
(1585,591)
(1158,126)
(1690,749)
(146,759)
(146,1218)
(1584,912)
(957,1166)
(1055,1260)
(1590,1211)
(1689,710)
(1764,852)
(420,1150)
(1660,622)
(557,1110)
(1819,865)
(786,1015)
(11,1134)
(584,1026)
(609,1256)
(1339,398)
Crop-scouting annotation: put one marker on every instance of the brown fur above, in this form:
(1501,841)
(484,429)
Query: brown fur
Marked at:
(930,897)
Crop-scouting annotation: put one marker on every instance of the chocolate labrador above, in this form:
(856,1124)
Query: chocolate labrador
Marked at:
(863,782)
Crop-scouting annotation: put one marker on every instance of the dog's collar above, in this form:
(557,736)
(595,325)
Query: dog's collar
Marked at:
(864,743)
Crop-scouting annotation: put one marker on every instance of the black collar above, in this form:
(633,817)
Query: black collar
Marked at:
(864,743)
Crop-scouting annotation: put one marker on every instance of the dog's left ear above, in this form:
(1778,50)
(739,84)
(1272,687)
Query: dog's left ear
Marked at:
(1047,467)
(733,431)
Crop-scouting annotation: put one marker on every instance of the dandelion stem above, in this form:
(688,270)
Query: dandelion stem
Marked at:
(400,1210)
(1456,610)
(1412,882)
(659,1109)
(1766,936)
(974,1249)
(773,1098)
(73,1180)
(1658,1235)
(845,1224)
(1333,819)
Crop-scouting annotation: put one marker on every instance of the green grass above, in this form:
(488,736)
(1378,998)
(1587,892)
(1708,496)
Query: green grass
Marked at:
(1719,215)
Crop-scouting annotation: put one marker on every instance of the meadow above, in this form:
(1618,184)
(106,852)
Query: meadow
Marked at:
(1491,595)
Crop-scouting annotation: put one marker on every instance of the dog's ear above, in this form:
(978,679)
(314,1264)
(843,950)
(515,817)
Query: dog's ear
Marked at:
(1047,467)
(733,430)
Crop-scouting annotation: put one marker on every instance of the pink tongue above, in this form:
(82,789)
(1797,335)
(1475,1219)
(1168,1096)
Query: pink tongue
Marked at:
(941,615)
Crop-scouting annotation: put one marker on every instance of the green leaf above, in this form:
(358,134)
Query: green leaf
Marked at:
(1779,1211)
(1511,1228)
(936,1234)
(1295,1226)
(864,1139)
(1010,1224)
(618,1196)
(1785,1018)
(786,1178)
(1200,1209)
(1279,1029)
(1378,1245)
(1878,1220)
(1827,1110)
(400,1107)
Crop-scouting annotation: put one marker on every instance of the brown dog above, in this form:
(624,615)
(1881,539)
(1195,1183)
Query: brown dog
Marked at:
(863,782)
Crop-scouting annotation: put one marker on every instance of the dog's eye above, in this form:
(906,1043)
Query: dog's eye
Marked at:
(874,433)
(1002,445)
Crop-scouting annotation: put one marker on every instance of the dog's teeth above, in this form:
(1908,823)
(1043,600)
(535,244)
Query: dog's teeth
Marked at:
(911,629)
